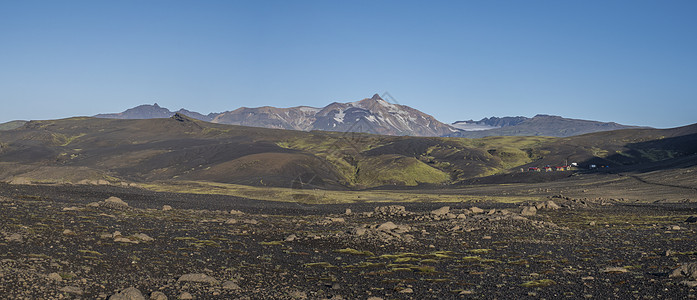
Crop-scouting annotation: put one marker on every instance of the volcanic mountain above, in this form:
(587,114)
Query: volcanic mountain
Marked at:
(370,115)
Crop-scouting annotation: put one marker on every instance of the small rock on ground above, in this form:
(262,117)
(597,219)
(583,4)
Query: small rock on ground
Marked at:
(230,285)
(528,211)
(615,270)
(158,296)
(185,296)
(687,270)
(130,293)
(115,201)
(55,277)
(441,211)
(476,210)
(198,277)
(72,290)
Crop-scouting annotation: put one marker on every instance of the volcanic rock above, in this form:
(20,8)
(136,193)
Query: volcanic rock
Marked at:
(197,277)
(687,270)
(130,293)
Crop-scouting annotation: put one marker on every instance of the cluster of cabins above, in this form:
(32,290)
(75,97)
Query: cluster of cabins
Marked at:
(549,169)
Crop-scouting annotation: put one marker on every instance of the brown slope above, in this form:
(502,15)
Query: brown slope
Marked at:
(180,148)
(625,147)
(155,149)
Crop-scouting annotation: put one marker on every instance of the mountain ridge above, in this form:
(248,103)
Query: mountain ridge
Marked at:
(369,115)
(377,116)
(539,125)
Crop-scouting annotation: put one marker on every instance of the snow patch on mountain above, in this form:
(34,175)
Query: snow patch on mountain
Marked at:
(308,109)
(339,117)
(472,126)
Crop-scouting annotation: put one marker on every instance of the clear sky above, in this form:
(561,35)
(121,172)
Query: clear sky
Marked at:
(632,62)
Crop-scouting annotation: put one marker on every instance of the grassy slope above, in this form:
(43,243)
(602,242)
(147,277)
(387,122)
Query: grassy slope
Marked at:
(182,149)
(320,196)
(12,125)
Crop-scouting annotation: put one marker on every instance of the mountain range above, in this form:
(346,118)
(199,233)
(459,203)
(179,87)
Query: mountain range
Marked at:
(539,125)
(377,116)
(370,115)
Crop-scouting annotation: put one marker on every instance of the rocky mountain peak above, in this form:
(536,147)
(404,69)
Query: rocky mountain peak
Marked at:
(370,115)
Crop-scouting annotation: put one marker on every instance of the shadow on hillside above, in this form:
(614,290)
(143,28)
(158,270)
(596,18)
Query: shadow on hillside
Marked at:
(660,154)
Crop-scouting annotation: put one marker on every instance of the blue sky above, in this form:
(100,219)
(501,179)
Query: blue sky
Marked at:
(632,62)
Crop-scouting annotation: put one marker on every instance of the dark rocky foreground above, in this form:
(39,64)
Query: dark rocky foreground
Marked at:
(73,242)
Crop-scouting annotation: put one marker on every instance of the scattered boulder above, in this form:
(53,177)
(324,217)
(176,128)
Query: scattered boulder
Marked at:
(72,290)
(476,210)
(406,291)
(115,202)
(236,212)
(615,270)
(391,211)
(122,239)
(528,211)
(441,211)
(467,292)
(72,208)
(93,204)
(347,211)
(130,293)
(55,277)
(186,296)
(387,226)
(231,221)
(197,277)
(158,296)
(230,285)
(15,237)
(143,237)
(68,232)
(300,295)
(358,231)
(166,208)
(687,270)
(291,238)
(549,204)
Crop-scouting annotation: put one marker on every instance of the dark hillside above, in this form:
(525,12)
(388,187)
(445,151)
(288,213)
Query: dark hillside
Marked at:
(122,152)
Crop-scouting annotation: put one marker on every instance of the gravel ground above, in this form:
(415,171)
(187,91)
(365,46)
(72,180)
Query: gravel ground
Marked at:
(75,242)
